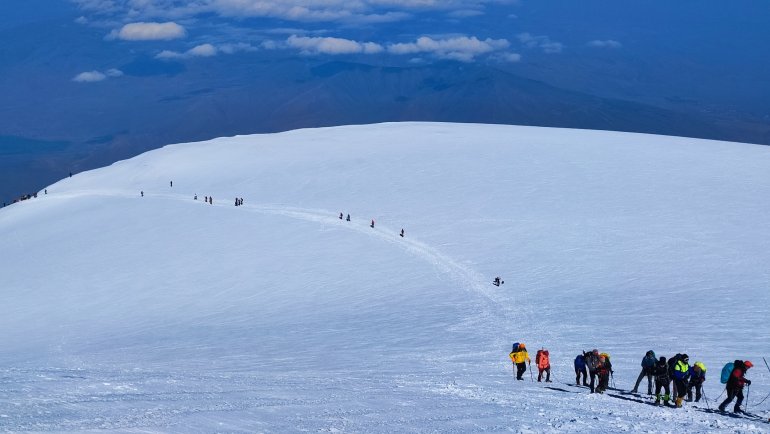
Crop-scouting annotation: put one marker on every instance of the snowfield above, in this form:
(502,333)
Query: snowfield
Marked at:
(123,313)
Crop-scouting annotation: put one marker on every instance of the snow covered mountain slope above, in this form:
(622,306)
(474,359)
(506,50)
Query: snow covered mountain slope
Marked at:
(163,313)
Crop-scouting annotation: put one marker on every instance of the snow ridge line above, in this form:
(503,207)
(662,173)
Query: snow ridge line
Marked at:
(495,311)
(470,278)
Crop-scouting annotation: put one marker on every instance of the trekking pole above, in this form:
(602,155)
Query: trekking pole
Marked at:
(720,395)
(748,392)
(768,366)
(703,390)
(612,377)
(531,377)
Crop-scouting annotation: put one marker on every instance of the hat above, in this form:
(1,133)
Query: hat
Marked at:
(685,357)
(748,364)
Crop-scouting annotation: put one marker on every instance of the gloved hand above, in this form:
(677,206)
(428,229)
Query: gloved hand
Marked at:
(748,382)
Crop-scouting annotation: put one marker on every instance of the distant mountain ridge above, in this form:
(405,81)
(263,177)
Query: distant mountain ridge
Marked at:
(243,95)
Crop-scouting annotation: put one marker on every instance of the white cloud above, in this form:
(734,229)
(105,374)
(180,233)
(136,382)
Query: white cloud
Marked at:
(94,76)
(81,20)
(542,42)
(203,50)
(460,48)
(149,32)
(169,54)
(318,45)
(608,43)
(90,77)
(206,50)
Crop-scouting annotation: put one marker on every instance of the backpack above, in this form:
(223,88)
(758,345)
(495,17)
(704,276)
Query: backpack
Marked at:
(592,361)
(538,356)
(515,347)
(727,370)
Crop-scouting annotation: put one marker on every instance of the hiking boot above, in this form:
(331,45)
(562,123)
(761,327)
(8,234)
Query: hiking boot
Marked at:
(548,381)
(634,391)
(722,408)
(657,401)
(678,403)
(737,410)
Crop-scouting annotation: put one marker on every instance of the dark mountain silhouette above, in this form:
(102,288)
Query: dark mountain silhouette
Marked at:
(110,120)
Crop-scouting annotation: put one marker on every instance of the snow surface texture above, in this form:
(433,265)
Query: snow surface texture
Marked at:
(165,314)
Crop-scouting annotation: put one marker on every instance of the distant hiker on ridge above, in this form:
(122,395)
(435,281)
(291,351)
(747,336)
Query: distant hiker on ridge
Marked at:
(681,378)
(142,193)
(171,183)
(519,357)
(648,370)
(735,385)
(372,225)
(662,380)
(543,362)
(697,378)
(348,217)
(580,370)
(603,371)
(402,233)
(340,216)
(592,363)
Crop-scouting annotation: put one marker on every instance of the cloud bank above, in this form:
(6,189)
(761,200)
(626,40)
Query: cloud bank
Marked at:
(94,76)
(308,45)
(352,11)
(460,48)
(149,32)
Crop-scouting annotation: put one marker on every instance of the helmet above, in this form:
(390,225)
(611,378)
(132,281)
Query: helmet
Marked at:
(748,364)
(522,346)
(685,357)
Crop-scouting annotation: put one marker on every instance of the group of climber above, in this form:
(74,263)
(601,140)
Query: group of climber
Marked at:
(371,225)
(677,369)
(675,377)
(520,357)
(596,366)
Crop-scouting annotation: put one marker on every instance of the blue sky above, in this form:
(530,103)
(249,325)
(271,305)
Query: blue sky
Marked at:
(91,81)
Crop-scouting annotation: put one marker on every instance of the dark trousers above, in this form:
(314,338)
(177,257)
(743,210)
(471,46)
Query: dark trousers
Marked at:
(604,381)
(521,368)
(547,374)
(662,384)
(581,373)
(698,391)
(681,388)
(732,393)
(643,374)
(593,376)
